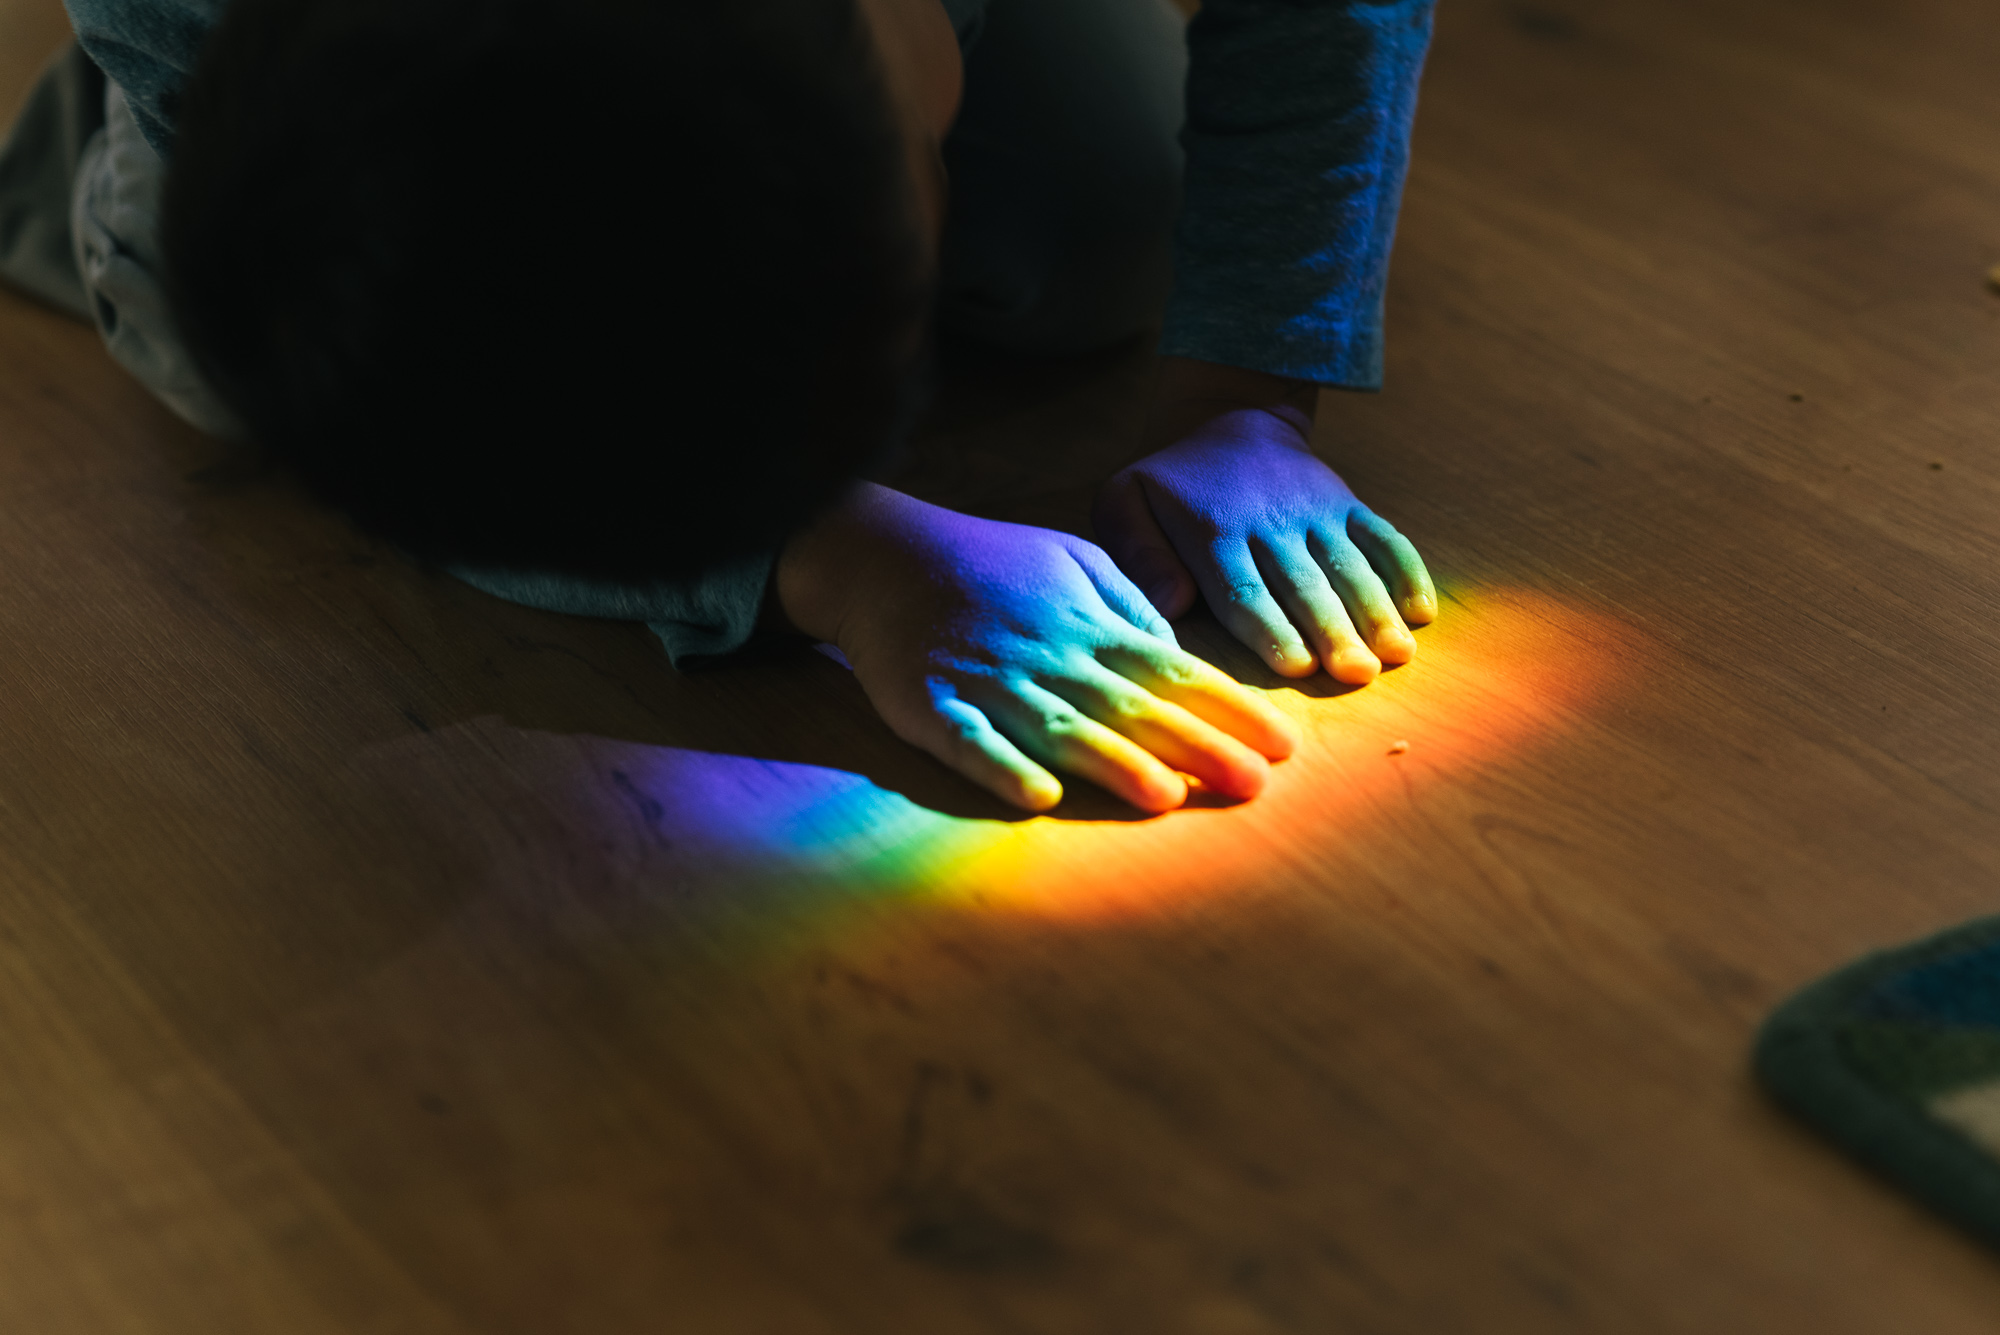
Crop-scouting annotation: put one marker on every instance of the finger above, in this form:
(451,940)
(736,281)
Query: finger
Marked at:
(1059,735)
(1395,559)
(1120,594)
(1164,729)
(1235,590)
(1366,600)
(1296,580)
(1206,692)
(962,737)
(1124,522)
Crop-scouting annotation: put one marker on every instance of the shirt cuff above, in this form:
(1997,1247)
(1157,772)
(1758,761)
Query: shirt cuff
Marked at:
(701,616)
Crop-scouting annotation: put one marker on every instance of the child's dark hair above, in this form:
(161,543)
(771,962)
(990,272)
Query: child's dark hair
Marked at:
(602,287)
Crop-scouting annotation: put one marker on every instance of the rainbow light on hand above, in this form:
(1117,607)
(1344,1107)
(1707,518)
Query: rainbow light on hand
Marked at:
(1502,676)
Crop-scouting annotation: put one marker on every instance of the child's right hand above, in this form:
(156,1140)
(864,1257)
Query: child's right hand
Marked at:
(1009,652)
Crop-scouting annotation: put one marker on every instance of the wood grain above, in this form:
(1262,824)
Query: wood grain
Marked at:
(376,956)
(29,33)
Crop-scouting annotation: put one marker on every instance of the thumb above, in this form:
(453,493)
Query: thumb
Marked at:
(1127,530)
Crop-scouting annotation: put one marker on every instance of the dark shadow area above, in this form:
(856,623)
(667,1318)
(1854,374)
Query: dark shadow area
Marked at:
(1014,438)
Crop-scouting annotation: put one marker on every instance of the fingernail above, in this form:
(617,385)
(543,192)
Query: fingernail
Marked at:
(1166,794)
(1041,796)
(1356,665)
(1250,779)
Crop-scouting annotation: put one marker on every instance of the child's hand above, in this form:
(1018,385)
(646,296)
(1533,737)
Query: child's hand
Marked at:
(1009,652)
(1241,509)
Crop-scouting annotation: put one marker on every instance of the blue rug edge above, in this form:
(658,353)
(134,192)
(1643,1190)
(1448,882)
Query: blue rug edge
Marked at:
(1798,1061)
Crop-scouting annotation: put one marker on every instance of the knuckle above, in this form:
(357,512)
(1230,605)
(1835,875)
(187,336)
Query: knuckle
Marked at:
(1054,720)
(1244,593)
(965,733)
(1074,663)
(1346,560)
(1305,581)
(950,729)
(1062,728)
(1127,709)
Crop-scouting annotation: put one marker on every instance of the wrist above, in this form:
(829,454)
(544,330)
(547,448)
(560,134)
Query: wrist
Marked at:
(815,575)
(1189,393)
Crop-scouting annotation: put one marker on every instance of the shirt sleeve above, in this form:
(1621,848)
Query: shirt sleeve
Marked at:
(1298,139)
(701,616)
(148,48)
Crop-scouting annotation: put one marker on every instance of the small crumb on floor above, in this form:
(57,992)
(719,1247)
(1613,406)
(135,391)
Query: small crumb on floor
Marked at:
(1397,748)
(1798,398)
(1937,465)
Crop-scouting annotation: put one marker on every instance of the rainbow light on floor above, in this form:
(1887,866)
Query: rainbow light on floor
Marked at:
(1501,677)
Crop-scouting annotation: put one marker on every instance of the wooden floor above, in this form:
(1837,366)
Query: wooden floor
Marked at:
(379,957)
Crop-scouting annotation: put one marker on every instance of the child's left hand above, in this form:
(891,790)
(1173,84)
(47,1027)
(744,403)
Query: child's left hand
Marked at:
(1240,509)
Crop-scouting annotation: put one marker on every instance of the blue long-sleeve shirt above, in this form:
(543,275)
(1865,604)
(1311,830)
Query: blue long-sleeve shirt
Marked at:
(1298,139)
(1298,127)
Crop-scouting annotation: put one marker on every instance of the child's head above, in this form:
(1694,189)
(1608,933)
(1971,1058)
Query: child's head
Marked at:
(606,287)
